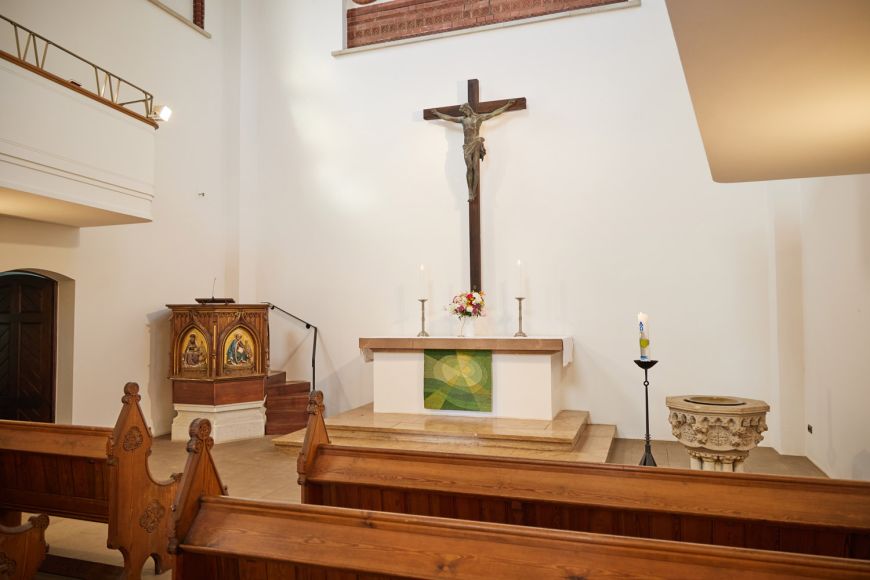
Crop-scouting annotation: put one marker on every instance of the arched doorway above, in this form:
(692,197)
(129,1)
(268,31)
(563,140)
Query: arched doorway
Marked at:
(27,346)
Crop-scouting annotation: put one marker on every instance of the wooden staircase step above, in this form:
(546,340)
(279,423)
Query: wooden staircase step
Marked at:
(280,404)
(286,404)
(288,388)
(275,427)
(276,378)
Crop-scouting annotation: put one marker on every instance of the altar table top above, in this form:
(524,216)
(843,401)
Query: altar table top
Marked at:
(497,344)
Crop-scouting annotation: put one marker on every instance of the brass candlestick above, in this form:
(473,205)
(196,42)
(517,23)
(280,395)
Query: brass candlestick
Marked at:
(422,317)
(520,332)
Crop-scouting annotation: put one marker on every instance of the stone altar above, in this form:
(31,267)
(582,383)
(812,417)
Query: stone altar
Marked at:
(718,432)
(527,373)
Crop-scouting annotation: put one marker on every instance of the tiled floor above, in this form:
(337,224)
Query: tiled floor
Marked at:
(251,468)
(673,454)
(256,469)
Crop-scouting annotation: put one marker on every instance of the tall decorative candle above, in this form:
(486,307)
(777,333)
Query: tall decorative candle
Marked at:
(424,283)
(522,281)
(643,326)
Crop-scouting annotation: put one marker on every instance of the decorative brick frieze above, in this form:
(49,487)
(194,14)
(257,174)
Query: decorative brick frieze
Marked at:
(199,13)
(411,18)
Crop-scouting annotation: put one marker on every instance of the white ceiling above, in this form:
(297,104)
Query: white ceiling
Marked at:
(781,88)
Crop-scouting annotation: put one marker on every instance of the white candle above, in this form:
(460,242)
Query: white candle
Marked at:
(522,289)
(423,289)
(643,327)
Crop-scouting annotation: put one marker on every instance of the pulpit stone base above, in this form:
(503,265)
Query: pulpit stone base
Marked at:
(228,422)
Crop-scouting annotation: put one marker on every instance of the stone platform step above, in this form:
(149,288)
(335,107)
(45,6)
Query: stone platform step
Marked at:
(568,437)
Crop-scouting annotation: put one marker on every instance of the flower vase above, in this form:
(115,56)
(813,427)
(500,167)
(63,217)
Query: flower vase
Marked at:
(466,326)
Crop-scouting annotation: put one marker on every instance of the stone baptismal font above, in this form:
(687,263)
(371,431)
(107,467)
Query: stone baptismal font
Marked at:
(718,432)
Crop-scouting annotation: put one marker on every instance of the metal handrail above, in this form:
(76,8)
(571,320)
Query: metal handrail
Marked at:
(105,80)
(309,326)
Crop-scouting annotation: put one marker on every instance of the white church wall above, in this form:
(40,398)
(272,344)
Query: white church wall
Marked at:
(601,187)
(836,274)
(785,271)
(242,147)
(124,275)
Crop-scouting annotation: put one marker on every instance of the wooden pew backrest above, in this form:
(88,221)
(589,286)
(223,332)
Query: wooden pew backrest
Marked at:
(804,515)
(235,538)
(227,538)
(56,469)
(92,473)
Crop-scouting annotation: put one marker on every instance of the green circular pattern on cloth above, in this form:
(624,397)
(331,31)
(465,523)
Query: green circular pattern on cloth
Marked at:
(458,380)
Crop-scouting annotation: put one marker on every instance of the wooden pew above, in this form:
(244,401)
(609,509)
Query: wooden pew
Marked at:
(788,514)
(22,548)
(228,538)
(91,473)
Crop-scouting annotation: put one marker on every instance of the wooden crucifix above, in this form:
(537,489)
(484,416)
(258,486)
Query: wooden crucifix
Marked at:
(472,115)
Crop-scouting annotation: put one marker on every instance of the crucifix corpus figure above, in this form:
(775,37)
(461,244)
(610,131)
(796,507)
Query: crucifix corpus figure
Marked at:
(472,115)
(473,149)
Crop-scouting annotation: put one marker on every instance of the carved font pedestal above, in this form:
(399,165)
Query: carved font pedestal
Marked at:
(718,432)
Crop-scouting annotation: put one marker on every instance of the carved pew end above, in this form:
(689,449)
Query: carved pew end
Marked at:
(23,548)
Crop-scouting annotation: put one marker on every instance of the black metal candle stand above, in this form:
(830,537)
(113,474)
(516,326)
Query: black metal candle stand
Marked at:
(646,365)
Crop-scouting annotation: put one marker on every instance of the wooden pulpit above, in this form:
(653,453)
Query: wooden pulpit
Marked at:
(219,359)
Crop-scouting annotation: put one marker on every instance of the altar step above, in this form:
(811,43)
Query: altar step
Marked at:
(568,437)
(286,404)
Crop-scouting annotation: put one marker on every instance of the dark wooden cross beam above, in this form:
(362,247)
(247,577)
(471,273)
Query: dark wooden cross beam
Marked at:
(474,203)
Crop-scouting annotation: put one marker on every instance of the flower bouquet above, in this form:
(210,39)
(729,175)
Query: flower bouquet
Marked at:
(466,305)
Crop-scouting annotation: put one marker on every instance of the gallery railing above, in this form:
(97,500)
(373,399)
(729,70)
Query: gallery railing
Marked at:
(32,54)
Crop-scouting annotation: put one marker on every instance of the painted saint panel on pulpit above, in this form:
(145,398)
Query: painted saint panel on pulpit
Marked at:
(193,351)
(238,351)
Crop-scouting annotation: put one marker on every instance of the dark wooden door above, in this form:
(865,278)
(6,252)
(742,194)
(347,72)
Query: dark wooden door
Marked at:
(27,347)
